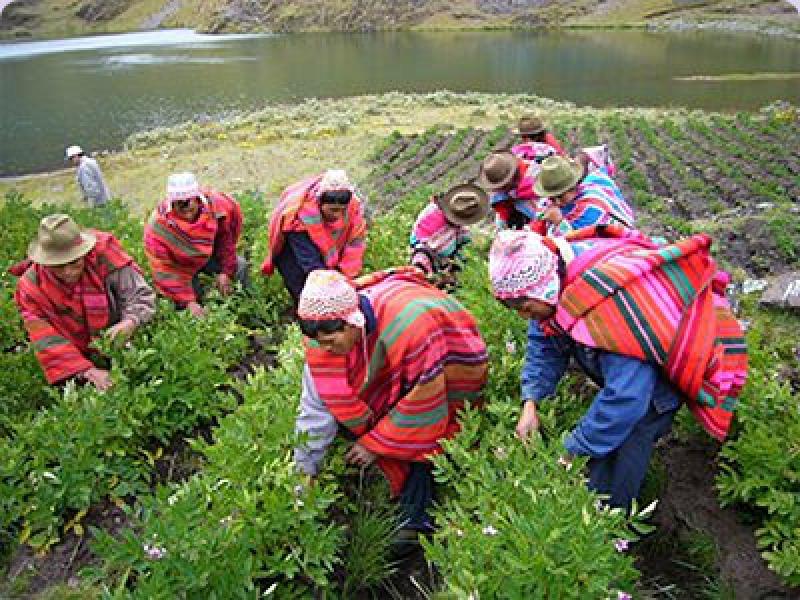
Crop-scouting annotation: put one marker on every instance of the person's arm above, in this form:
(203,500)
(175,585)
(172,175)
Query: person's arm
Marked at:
(135,298)
(317,422)
(546,361)
(617,407)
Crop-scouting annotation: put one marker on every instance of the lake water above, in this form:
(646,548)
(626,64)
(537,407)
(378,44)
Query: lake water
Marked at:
(96,91)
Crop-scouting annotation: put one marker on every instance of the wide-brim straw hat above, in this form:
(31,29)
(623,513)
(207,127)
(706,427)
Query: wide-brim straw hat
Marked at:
(464,204)
(530,125)
(498,170)
(556,176)
(59,241)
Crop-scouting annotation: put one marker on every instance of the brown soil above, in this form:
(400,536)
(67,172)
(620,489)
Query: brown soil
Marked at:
(688,505)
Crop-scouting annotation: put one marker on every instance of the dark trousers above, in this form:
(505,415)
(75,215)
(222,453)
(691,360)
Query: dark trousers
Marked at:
(620,474)
(416,498)
(214,267)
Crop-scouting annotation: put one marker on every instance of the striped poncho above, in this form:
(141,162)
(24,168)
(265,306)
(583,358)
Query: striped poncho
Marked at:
(599,201)
(521,199)
(340,243)
(62,319)
(665,305)
(434,233)
(425,359)
(178,249)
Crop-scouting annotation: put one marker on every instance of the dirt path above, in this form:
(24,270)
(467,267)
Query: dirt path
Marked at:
(154,21)
(689,505)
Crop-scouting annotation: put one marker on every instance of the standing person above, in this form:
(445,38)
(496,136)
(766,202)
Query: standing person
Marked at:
(440,230)
(650,325)
(194,231)
(317,224)
(90,179)
(578,197)
(510,181)
(74,285)
(532,132)
(393,360)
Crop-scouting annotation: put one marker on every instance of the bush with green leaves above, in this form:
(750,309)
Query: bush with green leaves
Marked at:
(760,465)
(88,445)
(247,525)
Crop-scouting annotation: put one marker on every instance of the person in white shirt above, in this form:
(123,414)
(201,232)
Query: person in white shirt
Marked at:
(89,177)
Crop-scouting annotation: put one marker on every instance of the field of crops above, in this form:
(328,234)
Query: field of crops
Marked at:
(178,482)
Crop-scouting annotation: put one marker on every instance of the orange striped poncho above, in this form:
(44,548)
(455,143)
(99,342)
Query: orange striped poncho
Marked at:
(340,243)
(177,249)
(426,358)
(62,319)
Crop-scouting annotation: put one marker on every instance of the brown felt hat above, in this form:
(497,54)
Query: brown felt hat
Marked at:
(59,241)
(498,170)
(464,204)
(557,175)
(530,125)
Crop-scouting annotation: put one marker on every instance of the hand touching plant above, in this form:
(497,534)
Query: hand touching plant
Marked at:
(99,378)
(224,284)
(359,455)
(122,330)
(528,421)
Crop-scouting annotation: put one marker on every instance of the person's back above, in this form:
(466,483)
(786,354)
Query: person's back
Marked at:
(93,186)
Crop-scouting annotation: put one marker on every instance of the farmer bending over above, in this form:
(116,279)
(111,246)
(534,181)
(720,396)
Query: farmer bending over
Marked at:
(194,231)
(74,285)
(440,231)
(318,224)
(650,325)
(425,357)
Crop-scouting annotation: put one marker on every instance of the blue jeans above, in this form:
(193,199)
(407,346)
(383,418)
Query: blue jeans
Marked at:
(620,474)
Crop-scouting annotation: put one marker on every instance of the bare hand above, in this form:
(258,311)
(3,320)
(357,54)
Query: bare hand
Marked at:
(224,284)
(123,329)
(99,378)
(196,310)
(528,421)
(553,215)
(359,455)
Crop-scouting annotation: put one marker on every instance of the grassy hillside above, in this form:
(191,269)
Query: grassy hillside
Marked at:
(59,18)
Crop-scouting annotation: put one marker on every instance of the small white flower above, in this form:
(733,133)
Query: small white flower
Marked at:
(621,545)
(459,532)
(490,530)
(511,347)
(501,453)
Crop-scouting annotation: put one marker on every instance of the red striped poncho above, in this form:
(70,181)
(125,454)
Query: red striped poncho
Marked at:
(426,358)
(62,319)
(177,249)
(665,305)
(340,243)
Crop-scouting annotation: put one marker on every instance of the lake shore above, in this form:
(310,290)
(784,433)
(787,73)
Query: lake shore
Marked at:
(267,149)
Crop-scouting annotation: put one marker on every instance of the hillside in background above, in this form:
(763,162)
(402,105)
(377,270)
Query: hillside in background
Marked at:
(61,18)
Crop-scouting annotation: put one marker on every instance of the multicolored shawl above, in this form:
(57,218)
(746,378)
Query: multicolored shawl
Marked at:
(426,357)
(433,231)
(178,249)
(599,202)
(341,243)
(62,319)
(665,305)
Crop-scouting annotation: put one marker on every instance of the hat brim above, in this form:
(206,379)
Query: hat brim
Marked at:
(41,256)
(452,217)
(530,131)
(577,175)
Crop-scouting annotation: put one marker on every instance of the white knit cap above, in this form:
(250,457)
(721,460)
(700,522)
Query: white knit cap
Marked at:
(521,266)
(329,295)
(334,180)
(73,151)
(181,186)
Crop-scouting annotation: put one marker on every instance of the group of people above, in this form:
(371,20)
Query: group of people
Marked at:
(391,357)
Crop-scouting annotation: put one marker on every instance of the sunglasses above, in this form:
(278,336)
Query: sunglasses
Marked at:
(337,197)
(312,328)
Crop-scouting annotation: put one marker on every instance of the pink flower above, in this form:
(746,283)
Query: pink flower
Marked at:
(511,347)
(154,552)
(624,596)
(621,545)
